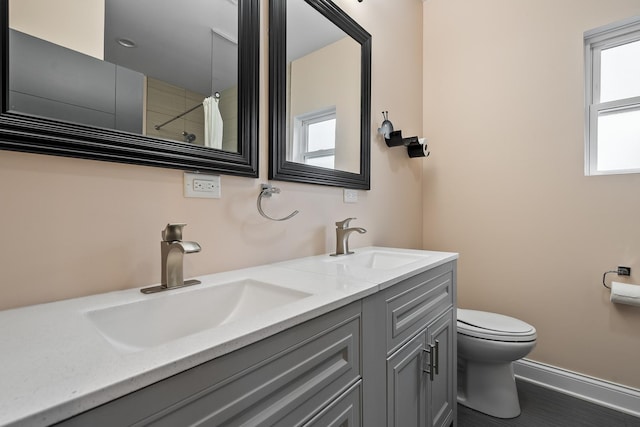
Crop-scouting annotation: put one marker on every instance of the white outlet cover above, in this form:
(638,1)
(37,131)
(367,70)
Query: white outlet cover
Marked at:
(201,185)
(350,196)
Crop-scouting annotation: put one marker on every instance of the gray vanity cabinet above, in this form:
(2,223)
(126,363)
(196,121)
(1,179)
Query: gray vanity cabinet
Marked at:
(308,375)
(409,352)
(386,360)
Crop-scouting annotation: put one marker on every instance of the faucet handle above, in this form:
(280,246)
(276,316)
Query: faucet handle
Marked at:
(344,223)
(173,232)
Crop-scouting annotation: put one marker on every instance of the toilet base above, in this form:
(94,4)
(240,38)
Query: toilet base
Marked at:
(488,387)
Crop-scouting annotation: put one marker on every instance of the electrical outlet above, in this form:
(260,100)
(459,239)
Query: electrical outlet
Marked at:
(201,185)
(350,196)
(624,271)
(204,185)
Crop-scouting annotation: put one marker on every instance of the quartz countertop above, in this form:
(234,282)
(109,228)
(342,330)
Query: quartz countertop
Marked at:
(54,363)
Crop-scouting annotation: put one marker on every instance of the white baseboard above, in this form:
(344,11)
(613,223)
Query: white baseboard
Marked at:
(603,393)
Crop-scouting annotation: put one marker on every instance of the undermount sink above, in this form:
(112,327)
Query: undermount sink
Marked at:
(377,260)
(171,315)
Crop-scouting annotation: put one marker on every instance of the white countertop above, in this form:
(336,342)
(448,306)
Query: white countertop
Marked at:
(54,363)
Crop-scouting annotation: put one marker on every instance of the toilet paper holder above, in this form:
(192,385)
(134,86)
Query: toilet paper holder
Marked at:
(416,147)
(621,271)
(622,293)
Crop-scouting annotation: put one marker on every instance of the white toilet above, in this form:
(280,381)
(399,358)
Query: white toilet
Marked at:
(488,343)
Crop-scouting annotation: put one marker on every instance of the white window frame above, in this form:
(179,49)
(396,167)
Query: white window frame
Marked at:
(301,134)
(595,41)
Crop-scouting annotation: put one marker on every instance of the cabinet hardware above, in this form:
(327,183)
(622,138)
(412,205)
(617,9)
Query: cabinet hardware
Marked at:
(434,359)
(430,364)
(436,363)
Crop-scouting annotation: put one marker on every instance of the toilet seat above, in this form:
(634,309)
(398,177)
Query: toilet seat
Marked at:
(494,327)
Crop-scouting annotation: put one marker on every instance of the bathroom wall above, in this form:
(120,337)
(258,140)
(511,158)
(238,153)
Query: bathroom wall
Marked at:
(75,227)
(505,184)
(78,19)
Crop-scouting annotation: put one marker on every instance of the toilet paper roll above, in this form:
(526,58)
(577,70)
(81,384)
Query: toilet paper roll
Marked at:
(623,293)
(419,149)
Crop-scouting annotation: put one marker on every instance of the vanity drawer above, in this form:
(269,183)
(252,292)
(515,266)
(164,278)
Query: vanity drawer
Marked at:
(415,302)
(283,380)
(344,412)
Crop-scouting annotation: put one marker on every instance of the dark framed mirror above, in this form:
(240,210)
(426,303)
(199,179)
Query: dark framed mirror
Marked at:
(168,84)
(319,95)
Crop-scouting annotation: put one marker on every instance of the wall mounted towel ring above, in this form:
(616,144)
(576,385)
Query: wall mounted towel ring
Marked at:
(267,191)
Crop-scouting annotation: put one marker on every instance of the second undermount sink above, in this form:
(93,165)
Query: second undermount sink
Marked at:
(171,315)
(377,260)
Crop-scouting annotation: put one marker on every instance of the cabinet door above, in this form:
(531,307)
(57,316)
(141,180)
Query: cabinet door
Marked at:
(406,387)
(441,394)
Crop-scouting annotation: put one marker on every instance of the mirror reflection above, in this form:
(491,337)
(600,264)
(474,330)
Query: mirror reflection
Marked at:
(163,69)
(323,91)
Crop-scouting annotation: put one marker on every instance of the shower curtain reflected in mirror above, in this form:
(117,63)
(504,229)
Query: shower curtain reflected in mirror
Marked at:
(213,125)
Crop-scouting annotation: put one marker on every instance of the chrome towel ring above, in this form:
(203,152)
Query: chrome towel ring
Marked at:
(267,191)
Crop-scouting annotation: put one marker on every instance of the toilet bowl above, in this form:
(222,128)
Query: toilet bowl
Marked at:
(488,343)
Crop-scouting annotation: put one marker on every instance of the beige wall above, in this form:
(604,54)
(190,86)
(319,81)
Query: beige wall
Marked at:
(76,227)
(330,77)
(74,24)
(504,186)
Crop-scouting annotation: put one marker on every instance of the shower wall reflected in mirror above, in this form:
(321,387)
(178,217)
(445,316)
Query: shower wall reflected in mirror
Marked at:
(173,112)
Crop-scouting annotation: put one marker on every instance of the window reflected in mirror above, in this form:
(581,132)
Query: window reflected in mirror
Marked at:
(314,139)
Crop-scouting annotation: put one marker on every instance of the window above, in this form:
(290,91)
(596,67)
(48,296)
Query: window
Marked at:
(612,71)
(314,138)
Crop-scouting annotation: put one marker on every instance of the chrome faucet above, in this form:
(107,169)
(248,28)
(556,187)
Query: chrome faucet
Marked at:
(172,251)
(342,236)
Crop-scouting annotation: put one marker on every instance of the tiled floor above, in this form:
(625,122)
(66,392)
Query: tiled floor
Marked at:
(542,407)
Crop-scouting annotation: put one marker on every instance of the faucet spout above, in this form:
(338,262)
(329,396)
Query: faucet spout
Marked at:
(189,247)
(342,236)
(358,229)
(173,261)
(172,251)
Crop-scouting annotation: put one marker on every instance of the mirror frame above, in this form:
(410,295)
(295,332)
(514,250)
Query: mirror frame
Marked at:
(279,167)
(21,132)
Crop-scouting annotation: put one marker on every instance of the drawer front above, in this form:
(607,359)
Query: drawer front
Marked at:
(288,376)
(344,412)
(413,303)
(291,386)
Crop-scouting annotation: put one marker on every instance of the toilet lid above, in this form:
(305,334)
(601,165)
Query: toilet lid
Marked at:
(493,326)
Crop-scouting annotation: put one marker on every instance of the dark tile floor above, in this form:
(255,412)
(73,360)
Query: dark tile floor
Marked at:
(542,407)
